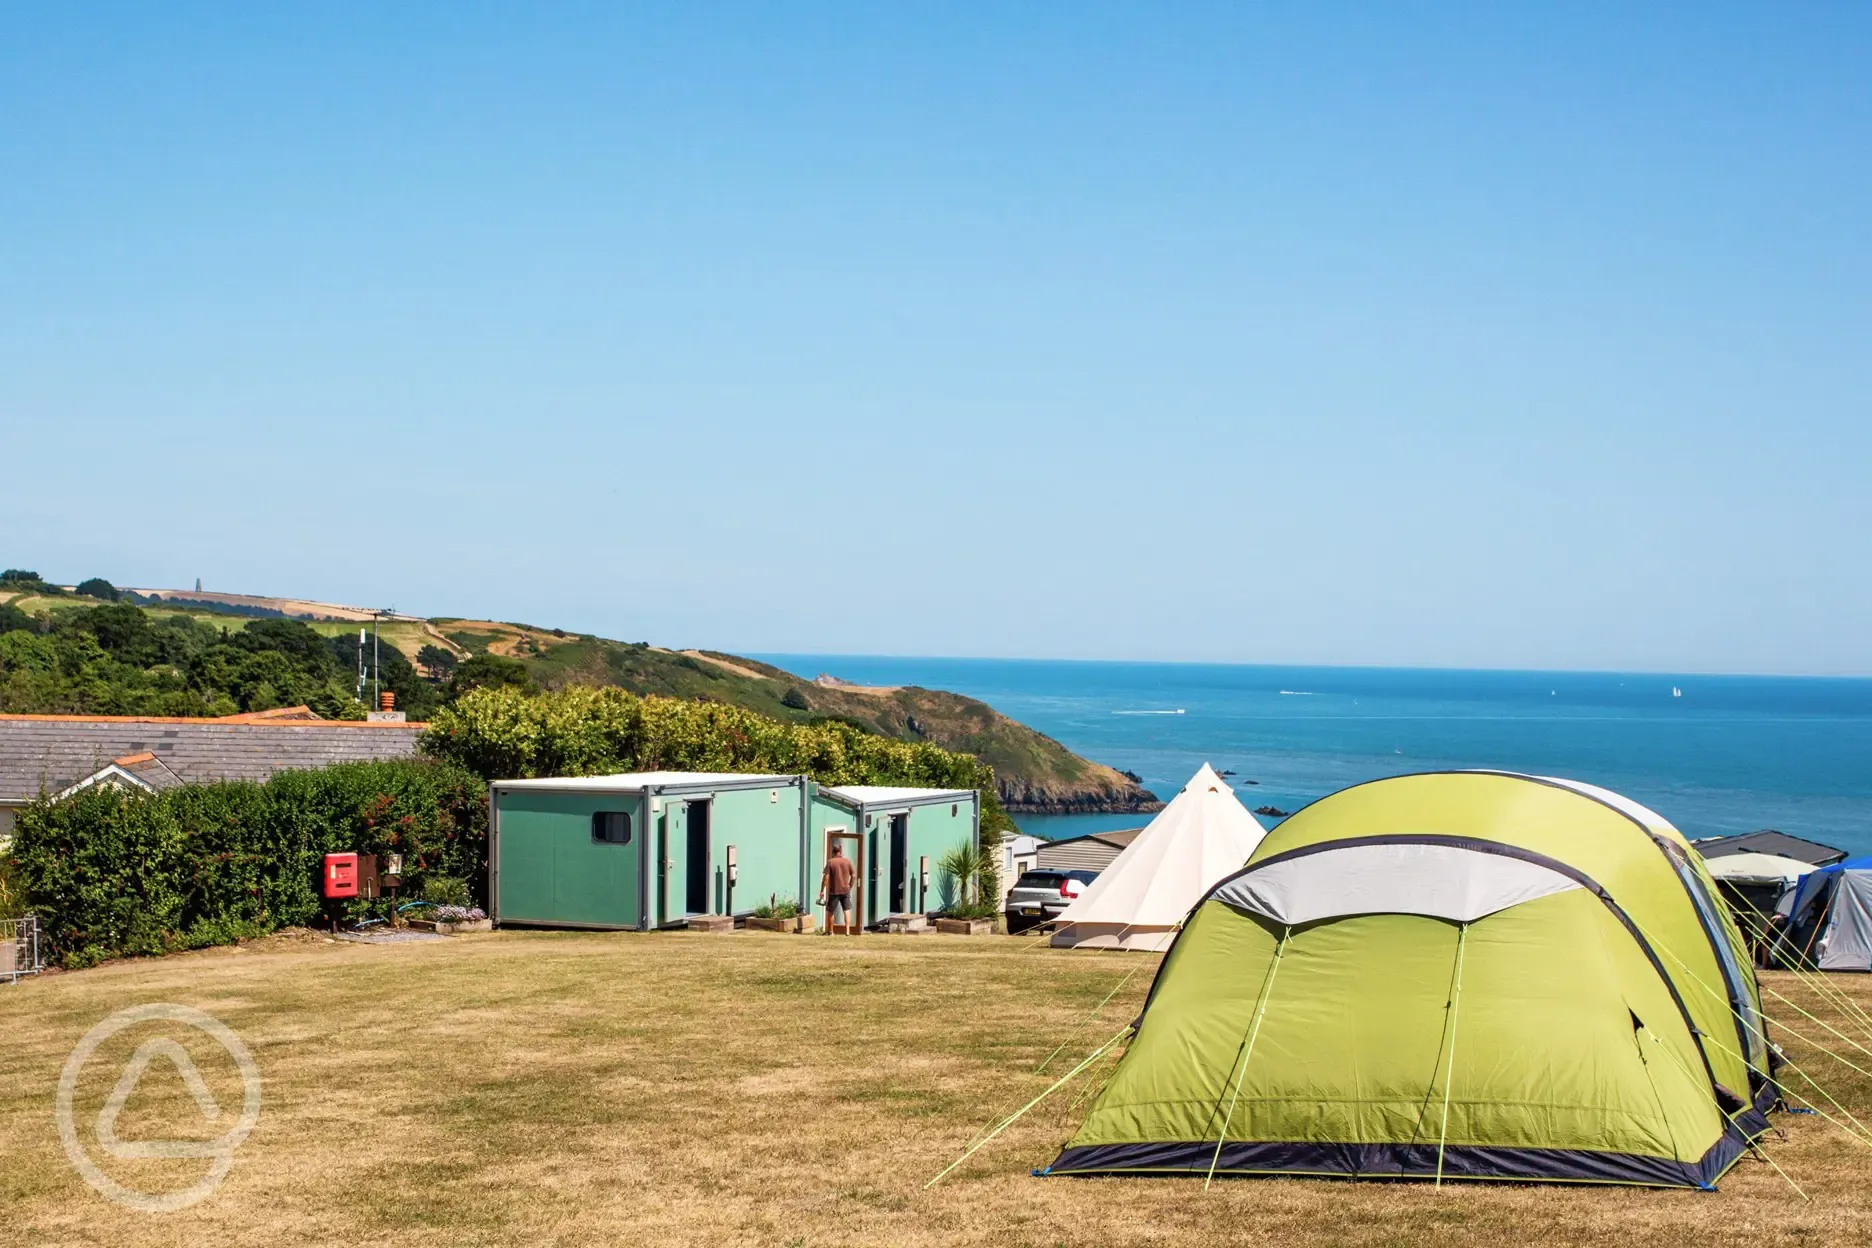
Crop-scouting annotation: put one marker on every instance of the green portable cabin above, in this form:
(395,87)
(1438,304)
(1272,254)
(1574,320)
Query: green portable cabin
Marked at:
(901,831)
(643,850)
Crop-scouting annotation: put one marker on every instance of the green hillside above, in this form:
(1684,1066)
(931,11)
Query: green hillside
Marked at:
(88,653)
(1034,773)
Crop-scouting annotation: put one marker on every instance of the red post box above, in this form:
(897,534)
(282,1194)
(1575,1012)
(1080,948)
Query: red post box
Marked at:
(341,875)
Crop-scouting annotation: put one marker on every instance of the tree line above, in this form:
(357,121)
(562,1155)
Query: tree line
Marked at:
(117,659)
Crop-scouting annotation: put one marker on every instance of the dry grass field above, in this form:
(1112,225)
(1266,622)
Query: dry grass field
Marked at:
(582,1089)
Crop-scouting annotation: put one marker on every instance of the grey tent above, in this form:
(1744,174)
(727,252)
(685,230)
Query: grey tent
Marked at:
(1828,919)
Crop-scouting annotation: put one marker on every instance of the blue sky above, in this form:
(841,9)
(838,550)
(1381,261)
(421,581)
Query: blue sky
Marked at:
(1406,334)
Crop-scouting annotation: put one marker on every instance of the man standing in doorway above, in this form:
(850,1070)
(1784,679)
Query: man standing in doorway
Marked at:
(835,889)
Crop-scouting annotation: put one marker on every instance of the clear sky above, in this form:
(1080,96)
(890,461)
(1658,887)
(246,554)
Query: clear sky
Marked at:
(1401,334)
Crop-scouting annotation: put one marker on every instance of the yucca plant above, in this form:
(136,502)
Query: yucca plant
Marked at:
(973,881)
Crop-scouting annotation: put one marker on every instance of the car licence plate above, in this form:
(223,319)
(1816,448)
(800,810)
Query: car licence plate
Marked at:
(1030,909)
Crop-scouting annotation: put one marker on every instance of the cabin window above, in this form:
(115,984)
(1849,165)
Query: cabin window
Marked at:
(611,827)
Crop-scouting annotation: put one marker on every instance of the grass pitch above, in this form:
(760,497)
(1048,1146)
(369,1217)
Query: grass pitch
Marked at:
(583,1089)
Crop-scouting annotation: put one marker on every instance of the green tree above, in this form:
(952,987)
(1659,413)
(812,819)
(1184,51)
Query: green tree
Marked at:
(488,671)
(98,587)
(22,651)
(414,695)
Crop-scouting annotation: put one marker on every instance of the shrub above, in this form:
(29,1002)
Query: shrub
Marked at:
(12,905)
(777,907)
(110,873)
(98,587)
(445,890)
(971,883)
(795,699)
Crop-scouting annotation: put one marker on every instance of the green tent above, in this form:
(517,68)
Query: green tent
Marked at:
(1469,975)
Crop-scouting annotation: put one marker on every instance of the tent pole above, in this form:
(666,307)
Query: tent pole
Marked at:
(1254,1032)
(1462,939)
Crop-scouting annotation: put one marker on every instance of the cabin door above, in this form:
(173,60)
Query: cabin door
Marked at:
(899,864)
(672,862)
(700,874)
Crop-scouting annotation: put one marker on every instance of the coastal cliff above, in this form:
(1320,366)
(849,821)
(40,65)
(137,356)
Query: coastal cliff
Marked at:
(1034,774)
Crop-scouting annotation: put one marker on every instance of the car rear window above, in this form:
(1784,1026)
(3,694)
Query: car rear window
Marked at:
(1040,879)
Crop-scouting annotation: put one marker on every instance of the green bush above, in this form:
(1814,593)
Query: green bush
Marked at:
(445,890)
(505,734)
(111,874)
(510,734)
(12,905)
(777,907)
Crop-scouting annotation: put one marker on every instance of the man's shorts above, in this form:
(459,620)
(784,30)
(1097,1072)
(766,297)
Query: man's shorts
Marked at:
(839,907)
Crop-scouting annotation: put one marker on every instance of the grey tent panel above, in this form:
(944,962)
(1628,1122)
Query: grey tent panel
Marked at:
(1846,945)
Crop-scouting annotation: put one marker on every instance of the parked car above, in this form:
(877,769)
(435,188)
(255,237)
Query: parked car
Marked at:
(1039,896)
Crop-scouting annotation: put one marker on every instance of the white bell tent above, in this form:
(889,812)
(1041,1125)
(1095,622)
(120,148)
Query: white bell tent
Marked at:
(1137,902)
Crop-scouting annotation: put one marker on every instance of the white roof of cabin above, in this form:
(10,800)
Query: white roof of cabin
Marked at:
(638,781)
(883,794)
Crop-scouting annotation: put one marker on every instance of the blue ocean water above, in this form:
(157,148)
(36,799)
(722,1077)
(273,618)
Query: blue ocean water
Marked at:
(1730,754)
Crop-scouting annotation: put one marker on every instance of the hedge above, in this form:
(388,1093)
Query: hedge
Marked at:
(111,874)
(506,734)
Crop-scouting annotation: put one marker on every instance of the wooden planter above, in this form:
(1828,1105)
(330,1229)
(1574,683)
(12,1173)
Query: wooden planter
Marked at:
(965,927)
(466,925)
(714,923)
(798,923)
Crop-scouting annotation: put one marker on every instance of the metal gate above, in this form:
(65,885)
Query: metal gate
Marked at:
(19,948)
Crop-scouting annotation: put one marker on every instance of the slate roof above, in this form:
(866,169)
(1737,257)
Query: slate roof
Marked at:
(1768,841)
(54,752)
(1094,851)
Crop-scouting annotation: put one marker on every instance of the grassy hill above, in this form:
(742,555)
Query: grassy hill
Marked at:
(1034,773)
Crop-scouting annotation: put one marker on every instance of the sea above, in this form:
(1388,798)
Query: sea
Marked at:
(1713,754)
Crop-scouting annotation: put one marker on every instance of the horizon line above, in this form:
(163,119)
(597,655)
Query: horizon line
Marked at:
(1345,667)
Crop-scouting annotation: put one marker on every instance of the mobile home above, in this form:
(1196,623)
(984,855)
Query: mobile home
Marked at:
(902,834)
(643,850)
(655,849)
